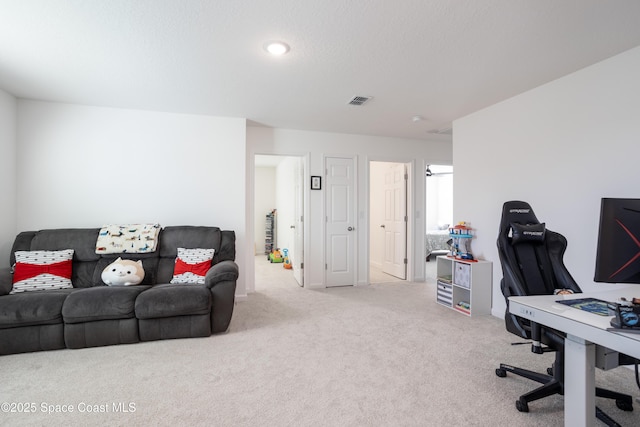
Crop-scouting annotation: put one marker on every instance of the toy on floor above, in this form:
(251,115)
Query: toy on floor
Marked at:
(276,256)
(287,261)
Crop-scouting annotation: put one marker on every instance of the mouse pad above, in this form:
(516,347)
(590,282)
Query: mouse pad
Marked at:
(592,305)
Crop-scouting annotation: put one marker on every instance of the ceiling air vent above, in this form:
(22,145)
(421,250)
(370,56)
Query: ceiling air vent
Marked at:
(359,100)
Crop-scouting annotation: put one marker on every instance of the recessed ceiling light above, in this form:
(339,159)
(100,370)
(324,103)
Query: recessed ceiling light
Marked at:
(276,47)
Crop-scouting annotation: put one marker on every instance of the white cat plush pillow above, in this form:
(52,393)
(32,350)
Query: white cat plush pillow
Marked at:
(123,272)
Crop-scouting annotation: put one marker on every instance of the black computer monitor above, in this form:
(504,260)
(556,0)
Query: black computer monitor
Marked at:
(618,252)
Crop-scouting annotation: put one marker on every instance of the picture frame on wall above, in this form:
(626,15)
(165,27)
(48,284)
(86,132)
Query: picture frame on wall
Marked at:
(316,182)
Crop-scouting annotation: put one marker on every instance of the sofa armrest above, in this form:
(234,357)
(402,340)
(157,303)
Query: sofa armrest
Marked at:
(6,281)
(221,272)
(221,280)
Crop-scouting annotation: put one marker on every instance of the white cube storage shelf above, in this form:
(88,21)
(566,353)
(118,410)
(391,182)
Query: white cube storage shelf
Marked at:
(464,286)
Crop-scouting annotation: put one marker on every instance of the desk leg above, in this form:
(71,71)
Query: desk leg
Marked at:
(579,382)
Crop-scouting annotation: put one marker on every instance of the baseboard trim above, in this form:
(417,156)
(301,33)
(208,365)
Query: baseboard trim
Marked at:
(498,314)
(376,264)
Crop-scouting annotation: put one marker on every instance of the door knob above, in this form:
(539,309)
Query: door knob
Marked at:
(292,226)
(350,229)
(382,226)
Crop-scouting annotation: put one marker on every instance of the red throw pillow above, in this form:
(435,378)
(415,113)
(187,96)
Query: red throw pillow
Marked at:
(192,265)
(42,270)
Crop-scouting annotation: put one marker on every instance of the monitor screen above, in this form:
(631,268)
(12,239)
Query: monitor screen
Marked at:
(618,252)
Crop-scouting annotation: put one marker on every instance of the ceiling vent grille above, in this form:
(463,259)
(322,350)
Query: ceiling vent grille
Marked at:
(359,100)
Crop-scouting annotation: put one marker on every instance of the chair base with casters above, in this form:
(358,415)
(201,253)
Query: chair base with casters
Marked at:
(532,264)
(552,383)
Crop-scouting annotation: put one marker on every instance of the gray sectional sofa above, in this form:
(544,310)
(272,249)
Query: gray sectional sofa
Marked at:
(93,314)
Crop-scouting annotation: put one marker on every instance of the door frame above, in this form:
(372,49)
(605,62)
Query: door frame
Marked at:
(251,214)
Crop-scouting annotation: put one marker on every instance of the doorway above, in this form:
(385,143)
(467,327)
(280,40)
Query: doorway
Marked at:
(278,213)
(439,209)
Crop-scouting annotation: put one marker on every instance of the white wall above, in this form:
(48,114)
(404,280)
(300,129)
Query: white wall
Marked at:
(439,201)
(264,203)
(81,166)
(561,147)
(315,146)
(8,229)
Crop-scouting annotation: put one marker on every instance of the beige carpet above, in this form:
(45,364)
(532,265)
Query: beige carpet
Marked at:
(380,355)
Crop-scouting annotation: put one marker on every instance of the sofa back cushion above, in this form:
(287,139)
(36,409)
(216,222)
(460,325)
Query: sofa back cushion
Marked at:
(81,240)
(227,250)
(184,236)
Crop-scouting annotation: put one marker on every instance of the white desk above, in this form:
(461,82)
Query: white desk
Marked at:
(584,331)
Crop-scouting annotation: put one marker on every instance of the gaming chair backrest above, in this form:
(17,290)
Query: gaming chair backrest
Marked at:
(531,259)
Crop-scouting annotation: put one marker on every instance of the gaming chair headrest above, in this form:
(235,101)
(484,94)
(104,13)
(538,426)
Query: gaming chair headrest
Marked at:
(527,233)
(516,212)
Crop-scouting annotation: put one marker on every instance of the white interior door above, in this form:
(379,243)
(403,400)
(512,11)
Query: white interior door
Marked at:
(340,222)
(395,221)
(297,254)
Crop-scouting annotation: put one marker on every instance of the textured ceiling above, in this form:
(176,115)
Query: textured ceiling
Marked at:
(439,59)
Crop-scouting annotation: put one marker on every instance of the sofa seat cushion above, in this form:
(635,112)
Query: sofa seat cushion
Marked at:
(169,300)
(101,303)
(32,308)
